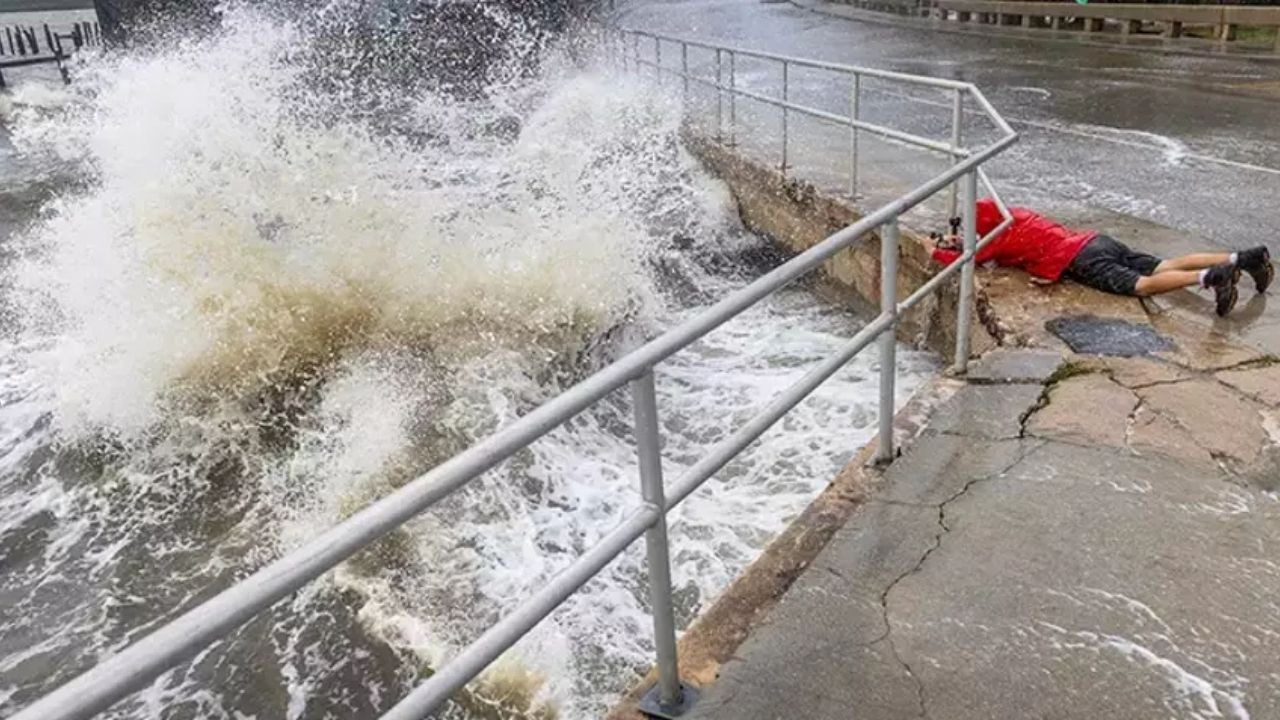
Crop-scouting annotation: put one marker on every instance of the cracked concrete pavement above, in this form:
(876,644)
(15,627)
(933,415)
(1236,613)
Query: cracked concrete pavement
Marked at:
(1093,542)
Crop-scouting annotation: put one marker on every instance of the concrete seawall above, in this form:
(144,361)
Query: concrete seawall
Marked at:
(797,216)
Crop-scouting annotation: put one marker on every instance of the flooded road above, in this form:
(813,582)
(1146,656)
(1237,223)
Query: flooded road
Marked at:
(1191,143)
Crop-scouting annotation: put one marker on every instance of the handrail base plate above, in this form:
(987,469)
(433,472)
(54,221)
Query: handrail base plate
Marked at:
(653,707)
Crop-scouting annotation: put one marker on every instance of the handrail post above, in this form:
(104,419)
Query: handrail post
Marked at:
(62,68)
(733,98)
(719,96)
(684,69)
(888,339)
(957,121)
(670,694)
(964,313)
(657,59)
(786,99)
(853,155)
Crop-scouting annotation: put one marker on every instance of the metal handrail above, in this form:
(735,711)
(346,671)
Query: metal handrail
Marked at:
(924,80)
(143,661)
(951,147)
(831,117)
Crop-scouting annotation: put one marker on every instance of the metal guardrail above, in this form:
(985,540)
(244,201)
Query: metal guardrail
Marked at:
(853,120)
(140,663)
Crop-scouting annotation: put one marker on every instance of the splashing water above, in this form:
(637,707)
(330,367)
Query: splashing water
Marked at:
(260,309)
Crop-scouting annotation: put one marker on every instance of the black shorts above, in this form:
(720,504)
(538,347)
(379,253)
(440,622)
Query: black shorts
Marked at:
(1109,265)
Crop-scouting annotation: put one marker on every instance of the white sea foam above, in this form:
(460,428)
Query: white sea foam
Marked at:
(1195,688)
(264,311)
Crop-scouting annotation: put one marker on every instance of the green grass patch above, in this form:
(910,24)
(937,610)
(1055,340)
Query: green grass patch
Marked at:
(1068,370)
(1256,35)
(1247,34)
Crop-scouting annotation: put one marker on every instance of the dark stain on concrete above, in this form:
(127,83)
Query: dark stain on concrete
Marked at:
(1093,335)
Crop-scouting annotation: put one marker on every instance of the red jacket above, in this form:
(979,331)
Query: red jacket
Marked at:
(1033,242)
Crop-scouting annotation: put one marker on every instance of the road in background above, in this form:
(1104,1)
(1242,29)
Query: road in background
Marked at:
(1191,143)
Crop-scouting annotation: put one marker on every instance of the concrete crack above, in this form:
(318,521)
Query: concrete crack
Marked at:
(1250,364)
(1155,383)
(1042,402)
(1132,420)
(902,503)
(943,529)
(924,709)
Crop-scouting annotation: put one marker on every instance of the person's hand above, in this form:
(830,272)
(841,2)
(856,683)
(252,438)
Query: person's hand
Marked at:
(947,242)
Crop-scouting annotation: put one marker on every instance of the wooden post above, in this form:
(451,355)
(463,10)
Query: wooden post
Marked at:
(1131,27)
(1173,29)
(62,67)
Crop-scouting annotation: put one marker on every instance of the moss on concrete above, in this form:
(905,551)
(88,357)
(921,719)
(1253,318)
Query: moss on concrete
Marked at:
(1068,370)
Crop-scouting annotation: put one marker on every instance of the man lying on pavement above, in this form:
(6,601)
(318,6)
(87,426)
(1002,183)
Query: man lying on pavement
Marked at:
(1049,251)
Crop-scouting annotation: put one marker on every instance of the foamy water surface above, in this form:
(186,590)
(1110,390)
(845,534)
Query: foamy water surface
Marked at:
(258,312)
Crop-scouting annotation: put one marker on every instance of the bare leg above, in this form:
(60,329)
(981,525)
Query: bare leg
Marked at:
(1196,261)
(1168,281)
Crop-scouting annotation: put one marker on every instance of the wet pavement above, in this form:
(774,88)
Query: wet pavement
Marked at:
(1095,540)
(1170,153)
(1093,547)
(1189,143)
